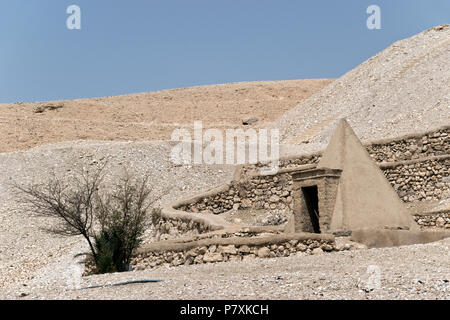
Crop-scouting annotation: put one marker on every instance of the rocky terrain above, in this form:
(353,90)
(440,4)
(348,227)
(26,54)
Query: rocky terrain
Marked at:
(410,272)
(27,250)
(403,89)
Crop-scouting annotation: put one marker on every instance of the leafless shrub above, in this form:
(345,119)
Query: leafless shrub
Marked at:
(112,220)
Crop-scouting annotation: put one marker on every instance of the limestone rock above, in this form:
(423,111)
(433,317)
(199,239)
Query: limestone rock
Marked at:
(244,249)
(249,121)
(231,249)
(274,199)
(302,247)
(263,252)
(440,222)
(246,203)
(212,257)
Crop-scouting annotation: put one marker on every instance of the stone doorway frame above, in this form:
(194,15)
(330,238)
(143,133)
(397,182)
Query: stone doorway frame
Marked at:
(326,180)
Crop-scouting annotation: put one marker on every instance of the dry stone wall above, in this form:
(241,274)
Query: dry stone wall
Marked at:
(410,148)
(219,253)
(167,229)
(286,163)
(272,193)
(423,173)
(425,180)
(439,220)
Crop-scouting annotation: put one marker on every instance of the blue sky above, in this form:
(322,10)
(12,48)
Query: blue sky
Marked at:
(147,45)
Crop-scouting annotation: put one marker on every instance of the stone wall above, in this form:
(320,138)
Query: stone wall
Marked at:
(284,163)
(412,147)
(424,180)
(272,193)
(423,174)
(222,253)
(166,229)
(439,220)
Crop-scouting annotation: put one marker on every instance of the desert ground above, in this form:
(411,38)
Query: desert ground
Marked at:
(409,272)
(401,90)
(149,116)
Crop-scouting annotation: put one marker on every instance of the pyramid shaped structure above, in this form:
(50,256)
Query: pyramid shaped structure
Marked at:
(365,198)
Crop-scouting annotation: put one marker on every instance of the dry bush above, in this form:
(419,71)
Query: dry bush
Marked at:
(112,219)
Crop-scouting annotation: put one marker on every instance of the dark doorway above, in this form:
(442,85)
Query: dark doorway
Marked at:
(312,204)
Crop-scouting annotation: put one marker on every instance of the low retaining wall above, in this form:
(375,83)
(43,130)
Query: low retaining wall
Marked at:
(175,253)
(411,147)
(291,162)
(272,193)
(436,220)
(166,229)
(414,180)
(423,179)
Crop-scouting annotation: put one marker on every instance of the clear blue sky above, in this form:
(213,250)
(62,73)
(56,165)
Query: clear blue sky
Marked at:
(147,45)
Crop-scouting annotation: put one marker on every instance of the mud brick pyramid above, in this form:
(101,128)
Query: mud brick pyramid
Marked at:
(365,198)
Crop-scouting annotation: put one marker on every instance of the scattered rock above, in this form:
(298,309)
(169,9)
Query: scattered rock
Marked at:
(244,249)
(212,257)
(440,222)
(230,249)
(51,107)
(249,121)
(263,252)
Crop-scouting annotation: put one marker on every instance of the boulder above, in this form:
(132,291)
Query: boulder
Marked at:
(263,252)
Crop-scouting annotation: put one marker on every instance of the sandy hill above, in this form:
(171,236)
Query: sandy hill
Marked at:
(149,116)
(403,89)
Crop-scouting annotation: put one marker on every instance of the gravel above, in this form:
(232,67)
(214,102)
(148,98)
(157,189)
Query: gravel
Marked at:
(409,272)
(29,255)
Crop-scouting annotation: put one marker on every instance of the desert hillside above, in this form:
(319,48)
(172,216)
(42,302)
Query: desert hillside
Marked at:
(403,89)
(149,116)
